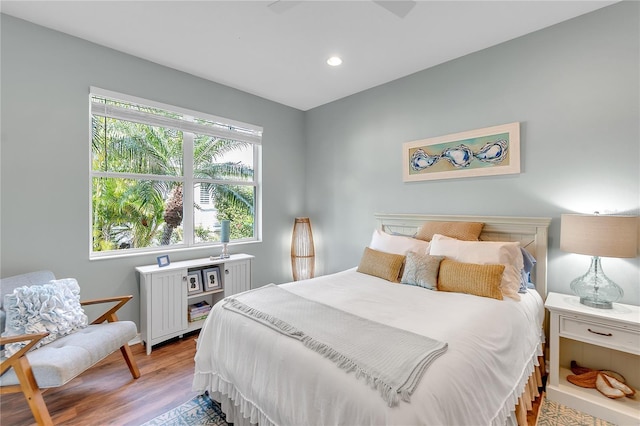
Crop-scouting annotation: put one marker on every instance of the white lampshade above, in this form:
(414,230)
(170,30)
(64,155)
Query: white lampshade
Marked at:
(599,235)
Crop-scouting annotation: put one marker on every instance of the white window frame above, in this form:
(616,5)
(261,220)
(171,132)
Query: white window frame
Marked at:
(225,128)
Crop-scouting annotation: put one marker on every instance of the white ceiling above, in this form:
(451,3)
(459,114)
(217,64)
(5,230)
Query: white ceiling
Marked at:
(278,52)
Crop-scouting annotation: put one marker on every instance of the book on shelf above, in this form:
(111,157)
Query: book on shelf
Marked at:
(200,306)
(200,318)
(198,311)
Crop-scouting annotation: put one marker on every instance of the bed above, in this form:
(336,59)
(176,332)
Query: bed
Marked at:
(487,373)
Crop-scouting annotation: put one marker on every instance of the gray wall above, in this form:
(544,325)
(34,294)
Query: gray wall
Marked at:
(45,192)
(574,89)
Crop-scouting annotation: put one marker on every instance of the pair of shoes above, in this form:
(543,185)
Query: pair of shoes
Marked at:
(612,388)
(609,383)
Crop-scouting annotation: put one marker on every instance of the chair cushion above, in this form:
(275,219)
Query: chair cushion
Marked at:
(63,359)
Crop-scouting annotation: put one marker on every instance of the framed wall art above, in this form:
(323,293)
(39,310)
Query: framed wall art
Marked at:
(212,279)
(482,152)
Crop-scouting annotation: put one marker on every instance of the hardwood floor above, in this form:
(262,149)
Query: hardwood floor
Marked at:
(107,395)
(532,415)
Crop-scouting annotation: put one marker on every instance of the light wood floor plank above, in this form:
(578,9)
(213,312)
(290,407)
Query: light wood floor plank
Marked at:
(107,394)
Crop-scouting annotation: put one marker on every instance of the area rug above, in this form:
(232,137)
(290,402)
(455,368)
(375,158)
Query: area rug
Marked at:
(554,414)
(199,411)
(202,410)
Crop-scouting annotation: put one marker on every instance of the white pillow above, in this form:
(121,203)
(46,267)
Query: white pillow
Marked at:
(397,244)
(485,253)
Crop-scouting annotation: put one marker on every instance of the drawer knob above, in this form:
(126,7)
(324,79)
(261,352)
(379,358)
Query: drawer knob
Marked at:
(601,334)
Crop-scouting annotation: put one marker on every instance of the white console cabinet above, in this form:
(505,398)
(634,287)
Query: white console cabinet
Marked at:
(164,296)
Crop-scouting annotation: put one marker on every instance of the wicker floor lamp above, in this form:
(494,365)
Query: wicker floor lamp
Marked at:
(302,251)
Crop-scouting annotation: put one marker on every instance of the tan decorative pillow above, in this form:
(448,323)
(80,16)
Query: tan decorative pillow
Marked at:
(466,231)
(485,253)
(382,265)
(470,278)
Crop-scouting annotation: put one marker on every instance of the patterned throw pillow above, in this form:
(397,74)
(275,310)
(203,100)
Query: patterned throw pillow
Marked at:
(53,307)
(421,270)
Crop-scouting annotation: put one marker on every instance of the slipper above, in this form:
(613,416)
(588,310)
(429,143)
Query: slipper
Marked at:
(604,386)
(615,375)
(617,384)
(584,380)
(576,369)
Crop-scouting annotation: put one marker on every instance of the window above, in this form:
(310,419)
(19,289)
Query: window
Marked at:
(164,177)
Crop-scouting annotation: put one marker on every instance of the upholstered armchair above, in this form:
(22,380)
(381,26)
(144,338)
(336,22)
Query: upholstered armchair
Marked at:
(31,366)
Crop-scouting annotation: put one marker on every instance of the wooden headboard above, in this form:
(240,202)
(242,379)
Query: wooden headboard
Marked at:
(531,232)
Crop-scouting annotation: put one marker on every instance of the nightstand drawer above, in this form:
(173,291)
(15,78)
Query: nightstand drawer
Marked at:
(627,340)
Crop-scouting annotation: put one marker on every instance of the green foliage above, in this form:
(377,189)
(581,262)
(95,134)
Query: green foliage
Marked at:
(203,234)
(236,205)
(131,213)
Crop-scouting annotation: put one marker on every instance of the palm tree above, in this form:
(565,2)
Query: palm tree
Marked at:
(172,214)
(138,209)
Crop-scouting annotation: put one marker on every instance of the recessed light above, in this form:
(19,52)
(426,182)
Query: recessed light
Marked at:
(334,61)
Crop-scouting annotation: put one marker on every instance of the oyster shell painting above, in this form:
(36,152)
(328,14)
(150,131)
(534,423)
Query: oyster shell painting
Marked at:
(490,151)
(420,160)
(459,156)
(493,152)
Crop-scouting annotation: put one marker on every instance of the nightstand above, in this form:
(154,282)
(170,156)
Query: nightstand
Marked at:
(604,339)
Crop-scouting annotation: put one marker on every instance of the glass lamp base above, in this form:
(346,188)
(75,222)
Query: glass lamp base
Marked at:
(225,253)
(596,303)
(595,289)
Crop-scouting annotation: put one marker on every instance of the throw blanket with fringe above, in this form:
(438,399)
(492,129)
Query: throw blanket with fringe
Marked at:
(389,359)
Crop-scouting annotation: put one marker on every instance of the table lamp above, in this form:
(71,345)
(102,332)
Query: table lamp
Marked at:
(598,236)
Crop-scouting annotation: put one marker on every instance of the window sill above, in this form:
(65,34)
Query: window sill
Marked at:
(213,251)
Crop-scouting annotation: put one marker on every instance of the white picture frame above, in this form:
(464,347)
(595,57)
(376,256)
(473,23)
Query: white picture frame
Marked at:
(212,278)
(194,282)
(481,152)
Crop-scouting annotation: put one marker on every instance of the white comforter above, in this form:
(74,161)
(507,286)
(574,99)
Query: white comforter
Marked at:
(273,379)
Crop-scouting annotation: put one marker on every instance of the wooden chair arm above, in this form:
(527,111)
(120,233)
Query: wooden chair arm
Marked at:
(107,300)
(109,315)
(32,338)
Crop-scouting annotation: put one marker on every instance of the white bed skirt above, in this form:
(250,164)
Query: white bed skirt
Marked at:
(242,412)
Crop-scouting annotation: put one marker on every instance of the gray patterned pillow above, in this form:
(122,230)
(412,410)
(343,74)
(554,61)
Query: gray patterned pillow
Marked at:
(421,270)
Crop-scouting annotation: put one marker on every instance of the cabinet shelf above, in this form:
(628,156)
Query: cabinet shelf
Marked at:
(165,300)
(629,407)
(603,339)
(205,293)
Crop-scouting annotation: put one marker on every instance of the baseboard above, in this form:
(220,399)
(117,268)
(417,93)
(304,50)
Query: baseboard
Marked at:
(136,340)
